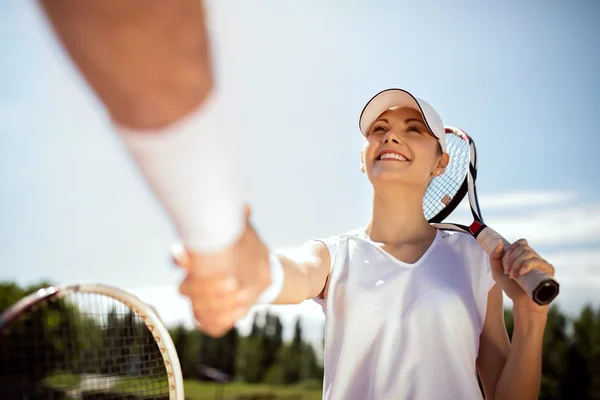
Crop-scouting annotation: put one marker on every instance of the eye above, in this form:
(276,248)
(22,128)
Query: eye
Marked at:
(378,128)
(414,129)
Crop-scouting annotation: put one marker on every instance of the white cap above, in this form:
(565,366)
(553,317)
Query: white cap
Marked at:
(391,98)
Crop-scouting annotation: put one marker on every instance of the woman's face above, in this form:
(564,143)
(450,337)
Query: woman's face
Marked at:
(399,148)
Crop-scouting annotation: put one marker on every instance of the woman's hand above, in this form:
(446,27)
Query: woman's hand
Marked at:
(518,259)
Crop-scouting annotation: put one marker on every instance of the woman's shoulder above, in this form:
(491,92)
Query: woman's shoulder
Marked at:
(356,233)
(462,243)
(458,238)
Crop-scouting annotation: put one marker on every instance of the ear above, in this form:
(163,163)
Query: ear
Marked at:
(441,165)
(362,161)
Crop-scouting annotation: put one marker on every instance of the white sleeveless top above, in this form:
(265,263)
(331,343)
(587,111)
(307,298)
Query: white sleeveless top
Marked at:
(404,331)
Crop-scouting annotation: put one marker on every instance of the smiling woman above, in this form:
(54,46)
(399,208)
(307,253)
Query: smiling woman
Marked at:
(400,138)
(413,311)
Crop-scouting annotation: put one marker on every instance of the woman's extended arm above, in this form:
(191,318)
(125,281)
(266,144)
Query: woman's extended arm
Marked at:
(305,274)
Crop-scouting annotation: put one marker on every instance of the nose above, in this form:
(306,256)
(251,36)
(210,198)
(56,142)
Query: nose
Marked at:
(391,136)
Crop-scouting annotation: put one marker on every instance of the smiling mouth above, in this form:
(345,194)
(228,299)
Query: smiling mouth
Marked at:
(392,157)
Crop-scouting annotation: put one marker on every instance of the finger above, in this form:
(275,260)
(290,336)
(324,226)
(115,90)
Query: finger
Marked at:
(231,317)
(213,305)
(222,284)
(184,287)
(496,261)
(527,257)
(217,324)
(208,287)
(212,328)
(224,303)
(519,244)
(515,251)
(498,252)
(536,263)
(522,242)
(247,211)
(179,255)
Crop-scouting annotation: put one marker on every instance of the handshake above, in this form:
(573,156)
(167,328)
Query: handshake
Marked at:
(222,286)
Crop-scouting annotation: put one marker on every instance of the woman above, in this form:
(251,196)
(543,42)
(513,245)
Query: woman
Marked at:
(413,312)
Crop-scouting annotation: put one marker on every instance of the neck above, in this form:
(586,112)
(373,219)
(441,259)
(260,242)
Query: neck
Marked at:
(397,216)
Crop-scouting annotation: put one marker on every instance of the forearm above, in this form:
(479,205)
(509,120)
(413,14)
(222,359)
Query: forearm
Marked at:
(148,61)
(193,169)
(295,282)
(303,280)
(521,376)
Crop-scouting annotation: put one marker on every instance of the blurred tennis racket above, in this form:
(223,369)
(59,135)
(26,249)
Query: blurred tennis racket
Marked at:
(86,342)
(447,191)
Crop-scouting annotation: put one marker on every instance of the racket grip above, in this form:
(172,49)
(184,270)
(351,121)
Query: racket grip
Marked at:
(539,286)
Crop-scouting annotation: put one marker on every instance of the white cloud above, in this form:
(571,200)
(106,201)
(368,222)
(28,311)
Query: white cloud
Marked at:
(551,227)
(524,199)
(544,218)
(582,265)
(519,200)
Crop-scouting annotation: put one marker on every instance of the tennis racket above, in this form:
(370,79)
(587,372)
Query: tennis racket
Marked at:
(447,191)
(86,342)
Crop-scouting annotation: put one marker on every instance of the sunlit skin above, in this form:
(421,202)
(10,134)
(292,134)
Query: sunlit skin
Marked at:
(399,186)
(402,131)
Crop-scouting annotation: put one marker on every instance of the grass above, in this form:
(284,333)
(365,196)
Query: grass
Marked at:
(195,390)
(61,381)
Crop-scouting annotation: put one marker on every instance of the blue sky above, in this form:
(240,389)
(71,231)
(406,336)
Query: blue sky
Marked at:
(520,77)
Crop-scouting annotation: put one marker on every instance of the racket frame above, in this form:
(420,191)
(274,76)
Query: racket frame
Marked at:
(539,286)
(147,314)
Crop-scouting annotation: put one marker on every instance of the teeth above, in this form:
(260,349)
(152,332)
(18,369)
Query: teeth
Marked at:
(394,156)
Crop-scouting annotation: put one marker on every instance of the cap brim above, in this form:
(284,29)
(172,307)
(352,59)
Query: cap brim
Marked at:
(385,100)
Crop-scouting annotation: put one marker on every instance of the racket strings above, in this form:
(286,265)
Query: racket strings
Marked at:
(443,188)
(84,345)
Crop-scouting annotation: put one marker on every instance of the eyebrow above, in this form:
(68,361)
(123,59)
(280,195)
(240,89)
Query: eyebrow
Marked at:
(406,121)
(415,120)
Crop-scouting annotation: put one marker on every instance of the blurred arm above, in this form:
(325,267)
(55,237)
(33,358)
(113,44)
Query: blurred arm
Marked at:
(149,62)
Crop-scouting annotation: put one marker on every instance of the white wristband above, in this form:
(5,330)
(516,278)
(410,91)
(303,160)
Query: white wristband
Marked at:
(277,276)
(191,166)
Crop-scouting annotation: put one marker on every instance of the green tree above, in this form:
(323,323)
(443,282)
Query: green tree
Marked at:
(553,354)
(292,356)
(271,341)
(595,357)
(228,350)
(249,359)
(256,326)
(580,356)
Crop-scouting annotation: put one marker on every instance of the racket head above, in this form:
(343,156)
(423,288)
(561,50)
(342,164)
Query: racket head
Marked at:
(86,340)
(445,192)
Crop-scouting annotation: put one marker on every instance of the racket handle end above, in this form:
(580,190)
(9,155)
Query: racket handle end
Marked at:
(544,288)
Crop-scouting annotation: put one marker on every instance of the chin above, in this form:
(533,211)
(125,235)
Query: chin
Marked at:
(390,177)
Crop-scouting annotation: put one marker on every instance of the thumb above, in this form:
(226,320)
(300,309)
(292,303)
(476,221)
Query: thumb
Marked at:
(496,260)
(247,212)
(498,252)
(179,255)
